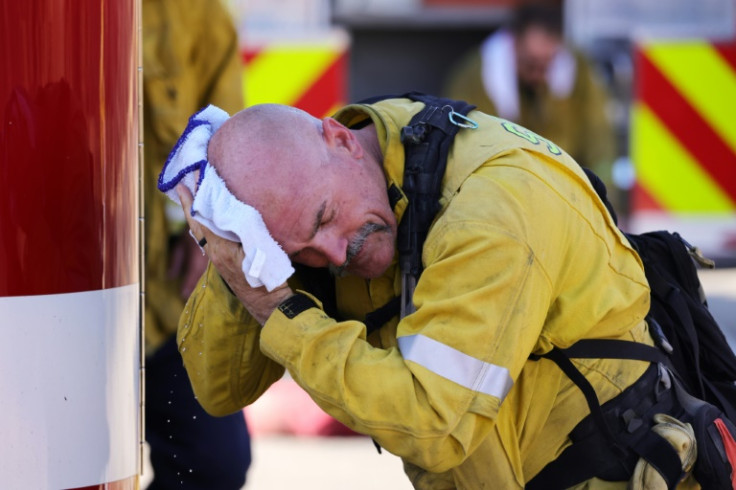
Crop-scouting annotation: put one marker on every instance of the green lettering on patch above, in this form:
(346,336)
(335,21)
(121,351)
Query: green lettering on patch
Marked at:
(530,136)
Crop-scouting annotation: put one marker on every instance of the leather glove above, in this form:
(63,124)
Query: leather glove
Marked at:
(681,436)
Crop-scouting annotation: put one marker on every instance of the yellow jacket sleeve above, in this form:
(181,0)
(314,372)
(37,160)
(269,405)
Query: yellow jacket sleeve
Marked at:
(401,400)
(219,342)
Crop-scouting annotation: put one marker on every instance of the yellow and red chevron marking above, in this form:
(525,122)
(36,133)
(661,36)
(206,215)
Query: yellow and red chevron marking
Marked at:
(683,136)
(310,76)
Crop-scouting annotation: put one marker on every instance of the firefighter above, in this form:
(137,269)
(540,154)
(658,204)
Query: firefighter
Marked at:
(522,257)
(524,72)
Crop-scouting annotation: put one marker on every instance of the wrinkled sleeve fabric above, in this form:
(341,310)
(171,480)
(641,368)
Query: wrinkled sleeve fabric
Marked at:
(219,343)
(434,397)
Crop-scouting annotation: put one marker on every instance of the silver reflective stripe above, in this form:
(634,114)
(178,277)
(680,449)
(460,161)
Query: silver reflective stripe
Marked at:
(456,366)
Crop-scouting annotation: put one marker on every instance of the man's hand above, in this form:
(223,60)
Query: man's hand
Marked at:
(227,257)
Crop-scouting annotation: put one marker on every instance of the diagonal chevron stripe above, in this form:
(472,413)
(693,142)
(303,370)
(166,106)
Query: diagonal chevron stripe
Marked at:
(281,73)
(687,125)
(641,200)
(669,172)
(705,79)
(327,93)
(727,52)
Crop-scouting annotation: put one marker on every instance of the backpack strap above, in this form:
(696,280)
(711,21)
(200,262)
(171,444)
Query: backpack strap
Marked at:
(582,461)
(380,316)
(614,349)
(427,141)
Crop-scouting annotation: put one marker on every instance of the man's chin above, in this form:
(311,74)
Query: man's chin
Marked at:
(371,269)
(364,271)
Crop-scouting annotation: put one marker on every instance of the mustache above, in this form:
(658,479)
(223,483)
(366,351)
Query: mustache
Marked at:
(356,244)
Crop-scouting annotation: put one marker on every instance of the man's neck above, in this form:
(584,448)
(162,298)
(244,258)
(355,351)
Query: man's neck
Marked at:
(368,138)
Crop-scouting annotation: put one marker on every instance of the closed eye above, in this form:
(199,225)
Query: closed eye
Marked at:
(318,221)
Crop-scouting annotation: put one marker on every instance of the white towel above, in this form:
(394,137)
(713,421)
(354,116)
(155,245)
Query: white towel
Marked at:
(265,263)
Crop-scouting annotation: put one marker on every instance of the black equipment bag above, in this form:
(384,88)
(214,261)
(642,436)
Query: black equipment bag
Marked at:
(679,318)
(681,322)
(690,345)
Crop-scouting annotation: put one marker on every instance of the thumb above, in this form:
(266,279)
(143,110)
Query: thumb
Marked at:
(185,197)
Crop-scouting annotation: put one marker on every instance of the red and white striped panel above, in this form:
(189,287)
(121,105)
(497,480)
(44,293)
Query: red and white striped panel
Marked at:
(69,245)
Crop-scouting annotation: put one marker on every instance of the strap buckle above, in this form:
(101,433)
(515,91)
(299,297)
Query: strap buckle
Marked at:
(408,284)
(461,121)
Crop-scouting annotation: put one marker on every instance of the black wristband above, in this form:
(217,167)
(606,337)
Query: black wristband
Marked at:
(293,305)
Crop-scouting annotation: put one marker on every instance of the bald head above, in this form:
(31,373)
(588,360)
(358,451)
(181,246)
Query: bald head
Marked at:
(266,147)
(318,185)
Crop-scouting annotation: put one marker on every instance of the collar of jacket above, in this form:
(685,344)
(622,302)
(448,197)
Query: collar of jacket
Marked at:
(388,117)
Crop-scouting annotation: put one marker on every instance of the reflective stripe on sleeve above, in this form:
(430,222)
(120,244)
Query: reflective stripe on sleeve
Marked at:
(456,366)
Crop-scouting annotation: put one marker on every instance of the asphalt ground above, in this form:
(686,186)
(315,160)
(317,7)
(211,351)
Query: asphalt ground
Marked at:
(326,463)
(311,463)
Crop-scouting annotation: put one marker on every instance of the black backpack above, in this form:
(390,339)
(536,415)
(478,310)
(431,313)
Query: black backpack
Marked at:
(690,342)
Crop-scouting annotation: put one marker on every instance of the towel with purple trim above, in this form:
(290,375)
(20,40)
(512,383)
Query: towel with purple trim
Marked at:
(265,263)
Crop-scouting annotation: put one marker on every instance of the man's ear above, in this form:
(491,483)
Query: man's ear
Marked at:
(337,137)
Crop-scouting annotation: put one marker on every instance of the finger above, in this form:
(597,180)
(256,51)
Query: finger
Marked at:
(186,203)
(185,197)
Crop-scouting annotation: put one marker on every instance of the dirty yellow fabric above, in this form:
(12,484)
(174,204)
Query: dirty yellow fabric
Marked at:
(522,257)
(579,124)
(190,59)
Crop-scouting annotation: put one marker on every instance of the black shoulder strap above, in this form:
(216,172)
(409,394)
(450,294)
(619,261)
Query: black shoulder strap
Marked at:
(427,141)
(578,463)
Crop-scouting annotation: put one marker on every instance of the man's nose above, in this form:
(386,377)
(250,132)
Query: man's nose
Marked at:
(333,247)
